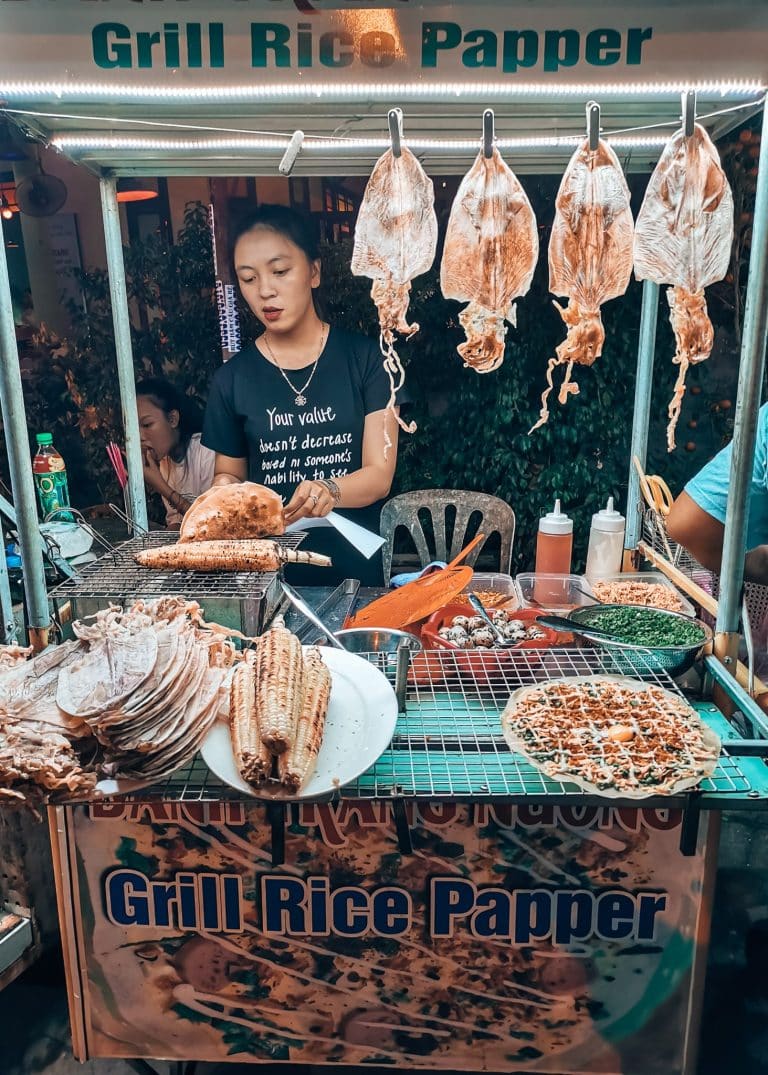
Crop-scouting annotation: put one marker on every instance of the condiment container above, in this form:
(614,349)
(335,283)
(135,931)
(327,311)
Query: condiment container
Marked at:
(564,592)
(606,543)
(554,546)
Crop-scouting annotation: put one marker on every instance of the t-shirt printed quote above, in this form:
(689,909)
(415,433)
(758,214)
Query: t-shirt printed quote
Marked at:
(306,452)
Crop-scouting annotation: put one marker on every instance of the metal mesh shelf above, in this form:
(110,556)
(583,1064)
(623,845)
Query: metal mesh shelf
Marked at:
(117,575)
(448,742)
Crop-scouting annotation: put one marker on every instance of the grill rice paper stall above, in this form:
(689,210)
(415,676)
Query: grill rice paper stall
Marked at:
(429,897)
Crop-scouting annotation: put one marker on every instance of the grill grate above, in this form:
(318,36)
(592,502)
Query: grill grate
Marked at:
(117,575)
(449,744)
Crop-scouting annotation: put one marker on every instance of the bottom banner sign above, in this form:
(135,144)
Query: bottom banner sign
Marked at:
(535,938)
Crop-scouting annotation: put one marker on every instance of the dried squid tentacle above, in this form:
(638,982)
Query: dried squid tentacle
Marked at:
(694,338)
(396,373)
(581,346)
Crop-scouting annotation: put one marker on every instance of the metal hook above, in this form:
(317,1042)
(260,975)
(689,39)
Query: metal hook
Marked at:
(593,125)
(395,121)
(285,167)
(689,112)
(488,132)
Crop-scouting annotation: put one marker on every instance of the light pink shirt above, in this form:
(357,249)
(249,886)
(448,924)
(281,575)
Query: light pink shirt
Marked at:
(190,478)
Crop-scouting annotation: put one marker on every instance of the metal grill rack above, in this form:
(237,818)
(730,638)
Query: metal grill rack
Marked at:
(448,742)
(242,600)
(655,535)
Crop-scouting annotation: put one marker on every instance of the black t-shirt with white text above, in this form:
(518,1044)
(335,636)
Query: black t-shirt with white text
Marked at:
(252,414)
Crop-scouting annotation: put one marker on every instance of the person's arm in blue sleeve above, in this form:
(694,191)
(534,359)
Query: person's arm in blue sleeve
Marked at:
(697,518)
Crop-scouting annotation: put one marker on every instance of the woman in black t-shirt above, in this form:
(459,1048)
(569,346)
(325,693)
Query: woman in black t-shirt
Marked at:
(303,410)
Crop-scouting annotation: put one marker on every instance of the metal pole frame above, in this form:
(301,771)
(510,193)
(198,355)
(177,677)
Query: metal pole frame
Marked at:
(124,351)
(751,367)
(646,352)
(22,482)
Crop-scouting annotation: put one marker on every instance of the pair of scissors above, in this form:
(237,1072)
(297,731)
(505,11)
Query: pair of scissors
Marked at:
(655,490)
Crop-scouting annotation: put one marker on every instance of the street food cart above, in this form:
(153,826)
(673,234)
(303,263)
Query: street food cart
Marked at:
(449,906)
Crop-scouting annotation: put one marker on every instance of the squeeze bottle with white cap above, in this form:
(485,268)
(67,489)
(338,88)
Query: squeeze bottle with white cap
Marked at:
(606,543)
(554,544)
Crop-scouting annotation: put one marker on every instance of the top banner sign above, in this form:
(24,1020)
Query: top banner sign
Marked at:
(191,42)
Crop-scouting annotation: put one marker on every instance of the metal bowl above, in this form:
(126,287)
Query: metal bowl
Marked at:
(671,659)
(376,640)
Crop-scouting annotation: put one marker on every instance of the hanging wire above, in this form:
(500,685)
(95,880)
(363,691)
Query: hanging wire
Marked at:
(341,139)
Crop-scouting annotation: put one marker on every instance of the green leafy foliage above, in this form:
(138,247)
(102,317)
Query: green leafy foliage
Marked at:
(71,387)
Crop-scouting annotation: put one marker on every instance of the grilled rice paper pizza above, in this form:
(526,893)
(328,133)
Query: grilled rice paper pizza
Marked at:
(611,736)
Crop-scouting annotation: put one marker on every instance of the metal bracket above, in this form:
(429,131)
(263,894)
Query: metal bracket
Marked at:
(593,125)
(689,112)
(488,133)
(276,815)
(402,828)
(403,659)
(689,830)
(395,121)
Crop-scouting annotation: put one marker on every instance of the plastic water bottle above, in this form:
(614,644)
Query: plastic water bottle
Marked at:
(50,477)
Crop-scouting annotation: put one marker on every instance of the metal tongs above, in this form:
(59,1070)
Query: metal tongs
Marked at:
(500,641)
(299,603)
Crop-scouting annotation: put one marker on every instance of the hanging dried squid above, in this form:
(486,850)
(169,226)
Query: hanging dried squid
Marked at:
(490,254)
(395,241)
(683,237)
(590,257)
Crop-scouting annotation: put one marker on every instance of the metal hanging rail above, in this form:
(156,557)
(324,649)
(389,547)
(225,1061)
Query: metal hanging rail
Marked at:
(748,395)
(22,482)
(124,350)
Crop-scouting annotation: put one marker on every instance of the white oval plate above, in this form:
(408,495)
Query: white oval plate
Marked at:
(362,714)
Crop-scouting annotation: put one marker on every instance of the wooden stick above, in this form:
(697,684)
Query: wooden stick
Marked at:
(680,579)
(708,602)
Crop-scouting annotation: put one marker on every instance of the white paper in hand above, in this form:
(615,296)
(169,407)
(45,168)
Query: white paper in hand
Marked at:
(365,541)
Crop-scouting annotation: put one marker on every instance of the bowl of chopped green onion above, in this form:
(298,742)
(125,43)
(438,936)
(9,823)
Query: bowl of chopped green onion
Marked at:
(646,639)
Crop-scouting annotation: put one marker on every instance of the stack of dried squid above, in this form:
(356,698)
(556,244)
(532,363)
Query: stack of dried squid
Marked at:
(133,697)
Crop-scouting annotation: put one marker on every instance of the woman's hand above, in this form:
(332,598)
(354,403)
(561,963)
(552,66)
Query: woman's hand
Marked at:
(152,476)
(311,500)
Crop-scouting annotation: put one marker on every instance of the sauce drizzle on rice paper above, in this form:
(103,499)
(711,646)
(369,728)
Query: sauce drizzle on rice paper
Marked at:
(611,736)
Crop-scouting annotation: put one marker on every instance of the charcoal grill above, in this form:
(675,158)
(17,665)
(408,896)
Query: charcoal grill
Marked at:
(244,600)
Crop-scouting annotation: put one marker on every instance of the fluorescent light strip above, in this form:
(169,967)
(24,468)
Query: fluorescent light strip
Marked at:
(73,144)
(386,91)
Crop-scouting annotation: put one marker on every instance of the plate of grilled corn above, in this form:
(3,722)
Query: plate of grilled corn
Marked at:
(303,721)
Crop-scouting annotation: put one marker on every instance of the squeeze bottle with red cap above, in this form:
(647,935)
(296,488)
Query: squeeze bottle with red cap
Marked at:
(554,544)
(606,543)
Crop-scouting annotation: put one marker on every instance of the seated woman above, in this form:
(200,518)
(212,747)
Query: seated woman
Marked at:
(176,464)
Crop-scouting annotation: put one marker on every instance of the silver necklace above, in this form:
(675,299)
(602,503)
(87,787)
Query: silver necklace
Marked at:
(301,399)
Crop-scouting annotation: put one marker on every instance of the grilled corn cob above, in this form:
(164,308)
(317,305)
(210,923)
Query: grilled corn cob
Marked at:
(279,687)
(254,761)
(296,765)
(247,555)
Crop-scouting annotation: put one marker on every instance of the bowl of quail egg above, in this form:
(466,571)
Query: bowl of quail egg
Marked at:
(455,627)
